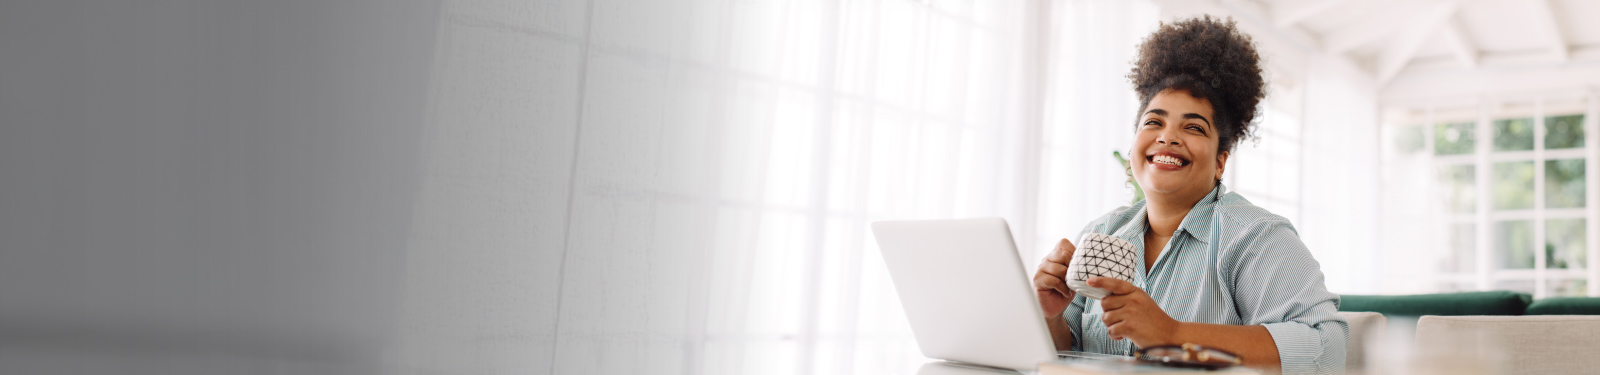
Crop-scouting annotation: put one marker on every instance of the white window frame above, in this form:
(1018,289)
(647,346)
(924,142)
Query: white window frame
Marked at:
(1484,216)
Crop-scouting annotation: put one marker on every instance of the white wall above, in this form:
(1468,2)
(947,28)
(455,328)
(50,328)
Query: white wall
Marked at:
(1340,183)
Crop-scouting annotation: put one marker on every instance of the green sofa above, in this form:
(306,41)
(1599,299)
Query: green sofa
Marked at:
(1497,302)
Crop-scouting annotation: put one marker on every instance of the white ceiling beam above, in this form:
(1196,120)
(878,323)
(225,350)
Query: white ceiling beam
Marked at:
(1404,46)
(1368,30)
(1286,15)
(1252,14)
(1504,61)
(1460,43)
(1433,85)
(1551,26)
(1585,54)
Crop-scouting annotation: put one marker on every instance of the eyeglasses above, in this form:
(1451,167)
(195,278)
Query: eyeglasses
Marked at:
(1188,355)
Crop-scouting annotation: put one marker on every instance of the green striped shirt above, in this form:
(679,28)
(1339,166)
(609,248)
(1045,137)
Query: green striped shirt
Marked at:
(1229,262)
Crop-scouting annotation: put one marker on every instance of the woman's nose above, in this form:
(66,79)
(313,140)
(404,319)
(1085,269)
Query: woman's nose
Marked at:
(1167,139)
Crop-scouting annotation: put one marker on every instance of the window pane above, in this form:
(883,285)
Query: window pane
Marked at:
(1513,134)
(1462,257)
(1568,288)
(1563,183)
(1564,243)
(1563,131)
(1408,139)
(1459,181)
(1453,138)
(1513,185)
(1513,244)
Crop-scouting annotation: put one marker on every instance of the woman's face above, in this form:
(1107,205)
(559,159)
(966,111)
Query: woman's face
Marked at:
(1178,147)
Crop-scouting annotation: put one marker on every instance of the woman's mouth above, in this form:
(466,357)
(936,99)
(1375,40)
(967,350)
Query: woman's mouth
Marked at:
(1166,160)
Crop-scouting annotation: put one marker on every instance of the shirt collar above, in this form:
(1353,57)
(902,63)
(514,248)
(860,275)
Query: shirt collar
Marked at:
(1198,221)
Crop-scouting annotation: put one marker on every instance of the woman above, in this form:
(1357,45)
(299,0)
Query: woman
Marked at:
(1218,271)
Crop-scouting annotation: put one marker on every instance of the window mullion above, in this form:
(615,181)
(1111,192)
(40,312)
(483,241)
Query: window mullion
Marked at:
(1539,257)
(1591,145)
(1481,175)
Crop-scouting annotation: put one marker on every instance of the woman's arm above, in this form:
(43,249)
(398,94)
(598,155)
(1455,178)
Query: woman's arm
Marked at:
(1060,332)
(1252,343)
(1132,314)
(1277,284)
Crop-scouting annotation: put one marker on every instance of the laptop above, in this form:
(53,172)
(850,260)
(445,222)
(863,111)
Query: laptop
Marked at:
(965,292)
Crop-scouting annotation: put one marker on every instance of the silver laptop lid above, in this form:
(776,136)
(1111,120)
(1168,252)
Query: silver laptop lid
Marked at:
(965,291)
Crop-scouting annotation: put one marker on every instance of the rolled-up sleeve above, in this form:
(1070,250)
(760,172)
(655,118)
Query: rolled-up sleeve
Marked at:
(1277,284)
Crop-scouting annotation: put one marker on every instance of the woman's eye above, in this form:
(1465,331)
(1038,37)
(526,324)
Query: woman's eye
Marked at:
(1152,123)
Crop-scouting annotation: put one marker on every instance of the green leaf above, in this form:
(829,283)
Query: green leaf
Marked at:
(1138,193)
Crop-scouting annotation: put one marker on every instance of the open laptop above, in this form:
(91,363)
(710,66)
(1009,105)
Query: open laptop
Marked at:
(966,293)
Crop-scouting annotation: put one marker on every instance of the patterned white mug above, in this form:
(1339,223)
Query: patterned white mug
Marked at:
(1104,256)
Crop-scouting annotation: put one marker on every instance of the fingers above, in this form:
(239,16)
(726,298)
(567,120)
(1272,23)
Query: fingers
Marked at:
(1048,282)
(1062,253)
(1111,318)
(1123,293)
(1054,269)
(1113,302)
(1120,330)
(1044,281)
(1119,326)
(1142,333)
(1115,286)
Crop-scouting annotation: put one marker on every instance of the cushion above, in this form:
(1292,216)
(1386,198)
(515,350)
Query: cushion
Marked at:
(1498,302)
(1365,327)
(1565,306)
(1546,344)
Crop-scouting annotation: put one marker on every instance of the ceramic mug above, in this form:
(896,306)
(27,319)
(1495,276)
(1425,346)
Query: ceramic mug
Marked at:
(1100,255)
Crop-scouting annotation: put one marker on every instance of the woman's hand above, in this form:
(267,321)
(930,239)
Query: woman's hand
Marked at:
(1050,282)
(1130,313)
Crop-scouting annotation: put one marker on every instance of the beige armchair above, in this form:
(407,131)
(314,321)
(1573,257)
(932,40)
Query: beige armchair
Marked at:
(1365,328)
(1537,344)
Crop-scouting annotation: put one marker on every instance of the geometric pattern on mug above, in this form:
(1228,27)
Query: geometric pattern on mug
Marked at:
(1106,256)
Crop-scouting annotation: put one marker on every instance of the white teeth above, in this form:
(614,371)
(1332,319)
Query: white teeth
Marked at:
(1163,159)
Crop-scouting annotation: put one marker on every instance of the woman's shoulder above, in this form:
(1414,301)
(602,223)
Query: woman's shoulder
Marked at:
(1247,231)
(1233,209)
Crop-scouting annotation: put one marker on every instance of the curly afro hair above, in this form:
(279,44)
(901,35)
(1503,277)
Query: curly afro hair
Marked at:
(1210,59)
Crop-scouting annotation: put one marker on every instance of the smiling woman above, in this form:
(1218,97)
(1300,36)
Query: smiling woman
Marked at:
(1218,271)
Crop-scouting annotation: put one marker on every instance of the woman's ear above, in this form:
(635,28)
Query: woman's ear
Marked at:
(1222,163)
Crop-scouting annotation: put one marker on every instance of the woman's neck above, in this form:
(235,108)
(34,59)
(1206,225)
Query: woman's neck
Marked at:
(1165,212)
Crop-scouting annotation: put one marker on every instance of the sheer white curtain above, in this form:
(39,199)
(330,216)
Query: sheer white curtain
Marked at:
(1089,112)
(685,187)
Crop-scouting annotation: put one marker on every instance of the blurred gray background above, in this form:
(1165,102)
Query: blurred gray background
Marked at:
(196,186)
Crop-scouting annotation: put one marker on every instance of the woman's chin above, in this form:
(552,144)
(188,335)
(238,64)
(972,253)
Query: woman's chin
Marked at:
(1162,189)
